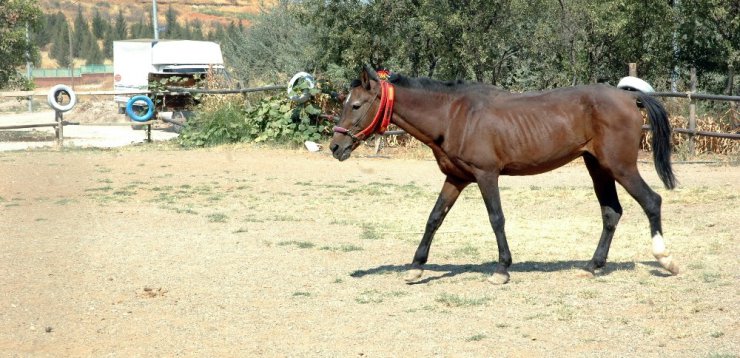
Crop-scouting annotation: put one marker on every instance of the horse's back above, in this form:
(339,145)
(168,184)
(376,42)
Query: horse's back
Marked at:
(530,133)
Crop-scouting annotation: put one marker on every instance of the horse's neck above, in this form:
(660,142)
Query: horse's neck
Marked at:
(422,114)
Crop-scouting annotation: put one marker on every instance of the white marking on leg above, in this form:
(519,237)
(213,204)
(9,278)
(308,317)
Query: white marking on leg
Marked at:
(662,255)
(658,245)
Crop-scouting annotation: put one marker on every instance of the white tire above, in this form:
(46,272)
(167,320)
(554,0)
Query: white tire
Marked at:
(634,83)
(52,100)
(305,96)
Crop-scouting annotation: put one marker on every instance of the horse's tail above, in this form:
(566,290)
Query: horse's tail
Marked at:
(661,130)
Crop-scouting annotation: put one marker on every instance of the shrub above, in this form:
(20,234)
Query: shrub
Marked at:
(272,119)
(218,120)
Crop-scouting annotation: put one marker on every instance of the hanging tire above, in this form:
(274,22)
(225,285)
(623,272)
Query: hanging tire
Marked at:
(130,108)
(305,96)
(630,83)
(51,98)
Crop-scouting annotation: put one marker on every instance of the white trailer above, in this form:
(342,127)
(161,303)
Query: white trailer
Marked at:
(135,62)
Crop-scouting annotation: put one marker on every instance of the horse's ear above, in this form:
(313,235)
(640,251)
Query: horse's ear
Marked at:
(368,73)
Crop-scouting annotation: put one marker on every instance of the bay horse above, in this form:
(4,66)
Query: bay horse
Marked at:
(478,132)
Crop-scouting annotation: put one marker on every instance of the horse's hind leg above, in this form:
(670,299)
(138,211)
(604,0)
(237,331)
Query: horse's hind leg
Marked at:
(650,202)
(611,210)
(447,197)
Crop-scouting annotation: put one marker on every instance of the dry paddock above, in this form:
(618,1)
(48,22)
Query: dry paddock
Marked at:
(245,251)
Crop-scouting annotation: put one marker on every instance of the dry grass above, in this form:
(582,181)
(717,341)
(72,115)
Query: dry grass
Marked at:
(702,144)
(309,259)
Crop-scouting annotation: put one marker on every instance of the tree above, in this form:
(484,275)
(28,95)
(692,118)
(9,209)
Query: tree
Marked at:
(174,30)
(117,31)
(272,47)
(141,30)
(60,45)
(709,39)
(80,42)
(196,31)
(99,25)
(120,27)
(14,17)
(92,53)
(516,44)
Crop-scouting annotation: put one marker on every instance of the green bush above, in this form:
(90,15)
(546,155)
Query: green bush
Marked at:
(275,119)
(218,120)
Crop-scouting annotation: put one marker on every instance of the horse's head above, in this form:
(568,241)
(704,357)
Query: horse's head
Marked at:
(358,113)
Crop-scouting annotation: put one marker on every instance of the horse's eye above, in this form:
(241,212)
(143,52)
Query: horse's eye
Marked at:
(355,106)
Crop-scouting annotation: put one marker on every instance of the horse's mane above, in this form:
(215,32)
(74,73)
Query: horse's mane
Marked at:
(432,84)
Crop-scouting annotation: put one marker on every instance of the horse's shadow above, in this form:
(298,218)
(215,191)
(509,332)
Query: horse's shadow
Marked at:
(452,270)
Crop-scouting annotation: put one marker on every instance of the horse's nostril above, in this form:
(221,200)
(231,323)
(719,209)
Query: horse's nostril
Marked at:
(334,147)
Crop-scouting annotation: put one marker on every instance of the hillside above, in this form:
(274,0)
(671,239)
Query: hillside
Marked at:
(207,11)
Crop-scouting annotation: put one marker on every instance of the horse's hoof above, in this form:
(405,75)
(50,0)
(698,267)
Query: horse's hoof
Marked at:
(671,266)
(668,263)
(499,278)
(413,274)
(585,274)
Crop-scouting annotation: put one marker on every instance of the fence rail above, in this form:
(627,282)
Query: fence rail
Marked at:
(59,122)
(690,95)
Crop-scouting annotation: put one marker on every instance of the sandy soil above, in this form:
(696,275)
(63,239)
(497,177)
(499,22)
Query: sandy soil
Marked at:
(246,251)
(94,127)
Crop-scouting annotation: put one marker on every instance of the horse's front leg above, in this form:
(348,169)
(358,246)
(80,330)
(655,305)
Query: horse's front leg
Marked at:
(488,184)
(450,192)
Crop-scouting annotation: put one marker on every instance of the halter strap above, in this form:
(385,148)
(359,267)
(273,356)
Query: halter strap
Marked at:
(382,117)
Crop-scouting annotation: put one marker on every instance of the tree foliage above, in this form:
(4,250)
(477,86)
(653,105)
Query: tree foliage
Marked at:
(59,50)
(274,47)
(517,44)
(15,16)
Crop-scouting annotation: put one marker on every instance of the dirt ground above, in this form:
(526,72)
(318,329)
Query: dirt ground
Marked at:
(249,251)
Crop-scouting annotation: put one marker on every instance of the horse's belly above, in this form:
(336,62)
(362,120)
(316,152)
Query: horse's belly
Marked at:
(450,168)
(537,167)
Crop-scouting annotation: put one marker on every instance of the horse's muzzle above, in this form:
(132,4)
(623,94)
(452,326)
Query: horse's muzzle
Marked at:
(340,153)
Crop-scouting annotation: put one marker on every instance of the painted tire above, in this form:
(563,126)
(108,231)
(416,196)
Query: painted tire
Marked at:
(305,96)
(52,100)
(130,108)
(635,84)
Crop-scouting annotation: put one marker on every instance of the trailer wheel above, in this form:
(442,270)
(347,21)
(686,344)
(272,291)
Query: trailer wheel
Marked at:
(130,108)
(51,98)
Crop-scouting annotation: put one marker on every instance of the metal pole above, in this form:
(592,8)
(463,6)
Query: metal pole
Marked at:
(71,57)
(154,20)
(28,65)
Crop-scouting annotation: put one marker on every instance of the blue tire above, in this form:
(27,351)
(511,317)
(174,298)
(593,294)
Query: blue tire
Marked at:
(134,116)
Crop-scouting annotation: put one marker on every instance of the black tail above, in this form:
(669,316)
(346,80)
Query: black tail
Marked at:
(661,129)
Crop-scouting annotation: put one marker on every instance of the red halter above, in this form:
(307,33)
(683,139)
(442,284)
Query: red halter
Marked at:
(383,116)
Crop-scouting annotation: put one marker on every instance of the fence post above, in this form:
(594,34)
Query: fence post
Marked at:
(59,127)
(729,90)
(633,69)
(692,113)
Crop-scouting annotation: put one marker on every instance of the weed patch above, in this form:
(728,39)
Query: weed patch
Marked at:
(453,300)
(298,244)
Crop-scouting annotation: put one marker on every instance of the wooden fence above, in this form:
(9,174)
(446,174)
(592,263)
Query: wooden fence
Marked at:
(59,122)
